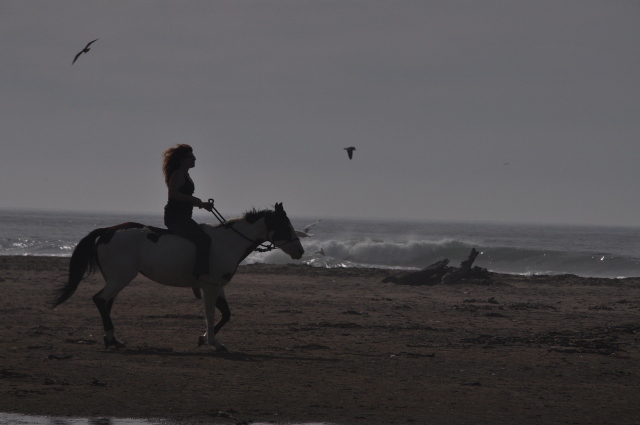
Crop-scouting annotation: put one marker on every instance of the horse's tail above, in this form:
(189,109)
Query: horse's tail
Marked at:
(84,261)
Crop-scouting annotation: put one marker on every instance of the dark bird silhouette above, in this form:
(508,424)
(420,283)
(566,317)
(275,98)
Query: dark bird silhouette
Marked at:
(85,50)
(350,150)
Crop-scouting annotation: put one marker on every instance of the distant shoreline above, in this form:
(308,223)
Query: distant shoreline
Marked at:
(38,262)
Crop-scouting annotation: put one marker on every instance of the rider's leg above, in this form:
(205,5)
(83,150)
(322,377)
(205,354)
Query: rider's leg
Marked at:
(203,250)
(189,229)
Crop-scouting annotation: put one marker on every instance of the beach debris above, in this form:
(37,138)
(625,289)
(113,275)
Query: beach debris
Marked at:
(97,383)
(441,272)
(430,275)
(465,271)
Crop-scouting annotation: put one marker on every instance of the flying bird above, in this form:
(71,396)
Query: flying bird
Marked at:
(350,150)
(304,233)
(85,50)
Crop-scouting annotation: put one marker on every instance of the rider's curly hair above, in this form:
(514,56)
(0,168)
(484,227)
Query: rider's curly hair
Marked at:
(172,159)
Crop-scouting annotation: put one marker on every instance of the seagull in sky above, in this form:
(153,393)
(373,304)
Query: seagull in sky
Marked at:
(304,233)
(350,150)
(85,50)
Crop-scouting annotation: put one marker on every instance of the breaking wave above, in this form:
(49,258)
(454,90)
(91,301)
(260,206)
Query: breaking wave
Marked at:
(415,255)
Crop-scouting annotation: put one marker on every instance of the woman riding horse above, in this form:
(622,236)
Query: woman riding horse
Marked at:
(123,251)
(179,209)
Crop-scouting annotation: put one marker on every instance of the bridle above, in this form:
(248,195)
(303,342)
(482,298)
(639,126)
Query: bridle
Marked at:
(260,247)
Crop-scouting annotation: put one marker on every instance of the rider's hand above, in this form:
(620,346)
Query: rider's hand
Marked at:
(206,205)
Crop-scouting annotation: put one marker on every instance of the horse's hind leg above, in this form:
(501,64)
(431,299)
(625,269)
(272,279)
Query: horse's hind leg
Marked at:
(104,301)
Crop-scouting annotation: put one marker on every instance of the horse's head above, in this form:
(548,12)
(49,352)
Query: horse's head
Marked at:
(281,233)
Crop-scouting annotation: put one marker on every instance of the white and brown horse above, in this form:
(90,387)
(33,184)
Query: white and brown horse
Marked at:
(121,252)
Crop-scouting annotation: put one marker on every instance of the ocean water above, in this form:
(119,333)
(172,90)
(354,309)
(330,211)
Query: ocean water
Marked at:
(507,248)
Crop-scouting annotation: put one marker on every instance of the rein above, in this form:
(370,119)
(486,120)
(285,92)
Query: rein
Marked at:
(223,222)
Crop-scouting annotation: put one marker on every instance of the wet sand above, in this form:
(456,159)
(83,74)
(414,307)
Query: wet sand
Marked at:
(335,346)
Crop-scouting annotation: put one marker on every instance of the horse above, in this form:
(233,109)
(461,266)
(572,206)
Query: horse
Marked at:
(121,252)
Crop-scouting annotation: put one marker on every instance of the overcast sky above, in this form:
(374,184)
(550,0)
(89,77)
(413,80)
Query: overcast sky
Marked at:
(520,111)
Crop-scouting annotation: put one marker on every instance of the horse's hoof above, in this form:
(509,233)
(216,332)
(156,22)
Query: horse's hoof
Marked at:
(201,341)
(222,349)
(112,341)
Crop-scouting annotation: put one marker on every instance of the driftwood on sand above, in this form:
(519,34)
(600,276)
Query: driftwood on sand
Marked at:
(441,272)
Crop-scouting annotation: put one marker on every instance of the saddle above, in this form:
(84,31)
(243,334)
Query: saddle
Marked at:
(156,232)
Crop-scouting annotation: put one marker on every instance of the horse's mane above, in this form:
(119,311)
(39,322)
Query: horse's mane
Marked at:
(251,215)
(254,215)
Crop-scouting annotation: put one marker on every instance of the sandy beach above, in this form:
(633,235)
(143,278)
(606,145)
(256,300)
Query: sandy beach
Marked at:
(326,345)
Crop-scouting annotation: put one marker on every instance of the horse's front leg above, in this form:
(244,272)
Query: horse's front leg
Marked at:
(211,293)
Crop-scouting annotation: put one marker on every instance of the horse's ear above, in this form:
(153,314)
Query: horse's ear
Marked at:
(279,207)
